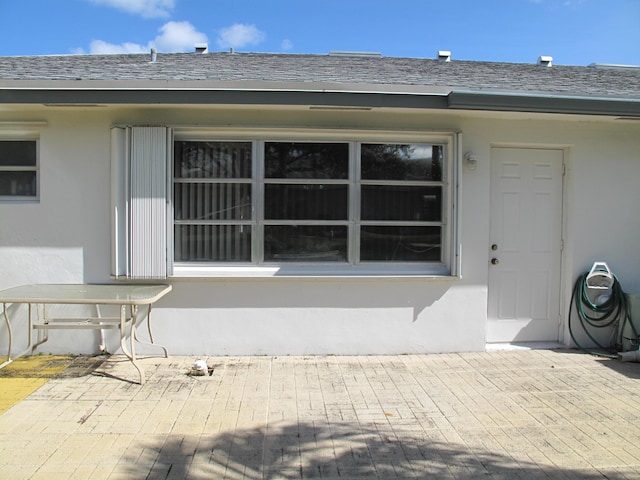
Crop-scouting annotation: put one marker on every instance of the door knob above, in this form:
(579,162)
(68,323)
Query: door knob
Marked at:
(495,261)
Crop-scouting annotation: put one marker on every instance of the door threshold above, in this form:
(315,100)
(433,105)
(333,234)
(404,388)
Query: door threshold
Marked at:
(496,347)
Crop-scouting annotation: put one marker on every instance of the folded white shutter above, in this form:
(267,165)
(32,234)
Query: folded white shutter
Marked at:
(139,202)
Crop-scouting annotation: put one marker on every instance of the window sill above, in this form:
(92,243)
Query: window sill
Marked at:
(306,271)
(16,199)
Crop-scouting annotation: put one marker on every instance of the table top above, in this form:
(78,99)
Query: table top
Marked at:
(108,294)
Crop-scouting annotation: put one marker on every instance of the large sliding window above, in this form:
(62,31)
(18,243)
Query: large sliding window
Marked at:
(306,202)
(401,200)
(349,207)
(212,204)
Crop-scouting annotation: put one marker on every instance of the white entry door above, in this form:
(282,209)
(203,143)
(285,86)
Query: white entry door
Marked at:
(525,245)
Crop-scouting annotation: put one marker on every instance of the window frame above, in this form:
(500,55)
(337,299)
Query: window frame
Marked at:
(262,221)
(18,168)
(447,267)
(443,183)
(251,182)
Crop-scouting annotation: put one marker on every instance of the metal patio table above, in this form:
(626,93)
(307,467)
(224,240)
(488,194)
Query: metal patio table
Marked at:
(129,297)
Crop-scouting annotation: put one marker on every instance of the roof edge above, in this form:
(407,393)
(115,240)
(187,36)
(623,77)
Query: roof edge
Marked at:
(61,97)
(441,98)
(543,103)
(212,85)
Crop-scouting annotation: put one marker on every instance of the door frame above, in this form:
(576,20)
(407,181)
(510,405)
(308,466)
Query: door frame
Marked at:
(565,229)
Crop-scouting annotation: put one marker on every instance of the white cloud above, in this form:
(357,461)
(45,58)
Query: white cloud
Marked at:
(240,35)
(286,44)
(101,47)
(178,37)
(173,37)
(144,8)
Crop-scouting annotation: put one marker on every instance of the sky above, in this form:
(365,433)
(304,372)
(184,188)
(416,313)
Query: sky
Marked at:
(573,32)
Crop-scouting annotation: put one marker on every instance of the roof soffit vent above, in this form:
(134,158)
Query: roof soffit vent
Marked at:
(545,60)
(444,55)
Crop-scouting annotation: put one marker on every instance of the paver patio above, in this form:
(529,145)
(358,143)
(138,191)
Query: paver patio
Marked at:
(498,415)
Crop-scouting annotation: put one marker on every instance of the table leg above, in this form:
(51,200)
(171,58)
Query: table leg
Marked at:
(123,331)
(43,334)
(131,355)
(148,317)
(30,346)
(10,332)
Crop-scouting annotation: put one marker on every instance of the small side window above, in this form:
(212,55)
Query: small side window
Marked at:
(18,169)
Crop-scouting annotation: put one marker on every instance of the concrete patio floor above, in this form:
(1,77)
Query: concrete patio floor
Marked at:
(525,414)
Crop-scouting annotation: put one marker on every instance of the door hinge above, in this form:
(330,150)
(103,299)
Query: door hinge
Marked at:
(564,169)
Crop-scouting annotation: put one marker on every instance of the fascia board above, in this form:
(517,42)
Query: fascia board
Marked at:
(543,103)
(69,92)
(222,97)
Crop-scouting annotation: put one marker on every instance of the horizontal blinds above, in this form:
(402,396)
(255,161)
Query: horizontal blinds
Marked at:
(212,202)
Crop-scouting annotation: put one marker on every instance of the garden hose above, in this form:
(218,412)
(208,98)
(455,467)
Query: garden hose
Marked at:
(613,312)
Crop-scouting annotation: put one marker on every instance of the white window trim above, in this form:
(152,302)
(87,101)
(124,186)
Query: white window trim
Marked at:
(451,248)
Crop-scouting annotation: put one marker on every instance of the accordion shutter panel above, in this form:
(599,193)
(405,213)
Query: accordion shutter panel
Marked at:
(139,202)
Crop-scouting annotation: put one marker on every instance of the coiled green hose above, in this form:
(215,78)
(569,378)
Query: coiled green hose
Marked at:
(611,313)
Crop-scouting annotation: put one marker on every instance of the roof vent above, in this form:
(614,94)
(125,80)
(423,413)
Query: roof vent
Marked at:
(202,48)
(545,60)
(444,55)
(154,55)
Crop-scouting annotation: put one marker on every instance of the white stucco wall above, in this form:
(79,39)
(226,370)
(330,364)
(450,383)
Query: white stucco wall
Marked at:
(65,237)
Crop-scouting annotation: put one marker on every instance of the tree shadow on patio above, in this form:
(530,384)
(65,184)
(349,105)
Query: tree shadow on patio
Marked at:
(346,451)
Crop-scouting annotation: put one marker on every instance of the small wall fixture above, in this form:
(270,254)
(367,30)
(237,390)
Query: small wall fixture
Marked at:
(470,160)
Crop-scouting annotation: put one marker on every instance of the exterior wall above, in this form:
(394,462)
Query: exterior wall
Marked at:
(65,237)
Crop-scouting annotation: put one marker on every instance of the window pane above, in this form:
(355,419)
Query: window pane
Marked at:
(22,184)
(17,153)
(306,243)
(306,160)
(212,243)
(393,202)
(400,244)
(212,159)
(401,162)
(305,202)
(212,201)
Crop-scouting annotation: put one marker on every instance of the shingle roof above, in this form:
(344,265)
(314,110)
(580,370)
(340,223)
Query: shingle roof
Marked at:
(344,73)
(337,69)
